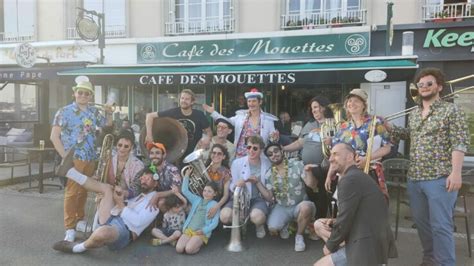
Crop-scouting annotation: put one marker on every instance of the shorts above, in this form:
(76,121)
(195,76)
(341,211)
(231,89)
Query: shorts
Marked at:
(255,203)
(124,235)
(282,215)
(167,231)
(190,232)
(339,257)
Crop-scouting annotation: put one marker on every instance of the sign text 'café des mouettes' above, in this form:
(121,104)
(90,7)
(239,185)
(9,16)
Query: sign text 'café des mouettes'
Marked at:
(252,49)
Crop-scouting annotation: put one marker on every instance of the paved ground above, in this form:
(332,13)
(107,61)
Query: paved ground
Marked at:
(31,222)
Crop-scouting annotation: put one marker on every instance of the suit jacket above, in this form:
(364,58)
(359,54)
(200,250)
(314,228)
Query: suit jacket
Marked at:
(362,220)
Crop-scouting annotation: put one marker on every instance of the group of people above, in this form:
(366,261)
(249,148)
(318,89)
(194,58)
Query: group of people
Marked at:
(282,190)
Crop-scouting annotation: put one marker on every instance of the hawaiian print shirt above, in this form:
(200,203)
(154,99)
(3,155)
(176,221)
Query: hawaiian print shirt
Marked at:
(78,129)
(247,131)
(174,221)
(169,175)
(357,136)
(295,185)
(433,139)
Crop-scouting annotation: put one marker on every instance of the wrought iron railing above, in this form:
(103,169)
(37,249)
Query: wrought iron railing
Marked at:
(208,26)
(13,37)
(111,31)
(452,12)
(323,19)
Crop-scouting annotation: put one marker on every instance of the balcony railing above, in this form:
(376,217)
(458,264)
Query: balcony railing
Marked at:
(111,31)
(208,26)
(12,37)
(324,19)
(451,12)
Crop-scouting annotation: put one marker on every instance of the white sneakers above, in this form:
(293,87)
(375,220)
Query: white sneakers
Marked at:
(81,226)
(70,235)
(299,243)
(284,234)
(260,230)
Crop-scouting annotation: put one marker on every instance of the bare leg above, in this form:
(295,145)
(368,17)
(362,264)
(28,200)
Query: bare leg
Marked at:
(257,217)
(304,217)
(158,234)
(194,245)
(171,238)
(324,261)
(102,236)
(182,241)
(322,230)
(226,215)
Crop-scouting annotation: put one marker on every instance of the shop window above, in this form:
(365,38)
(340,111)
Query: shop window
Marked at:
(309,14)
(447,10)
(115,16)
(119,97)
(465,101)
(200,16)
(19,102)
(17,20)
(142,104)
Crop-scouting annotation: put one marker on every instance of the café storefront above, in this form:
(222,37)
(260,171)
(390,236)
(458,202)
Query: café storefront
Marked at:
(289,68)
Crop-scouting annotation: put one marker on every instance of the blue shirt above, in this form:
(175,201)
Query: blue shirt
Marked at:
(78,129)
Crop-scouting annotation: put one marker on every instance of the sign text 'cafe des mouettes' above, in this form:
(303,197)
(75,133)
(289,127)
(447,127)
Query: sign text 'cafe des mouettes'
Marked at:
(248,49)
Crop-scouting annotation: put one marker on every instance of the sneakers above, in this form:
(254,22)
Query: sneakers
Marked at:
(70,235)
(64,246)
(299,243)
(260,230)
(284,234)
(66,163)
(81,227)
(155,242)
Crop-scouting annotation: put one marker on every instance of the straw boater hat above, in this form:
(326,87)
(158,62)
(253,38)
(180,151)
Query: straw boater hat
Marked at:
(85,85)
(359,93)
(253,93)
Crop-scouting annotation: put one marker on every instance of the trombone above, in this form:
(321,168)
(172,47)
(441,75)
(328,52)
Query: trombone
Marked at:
(415,96)
(104,107)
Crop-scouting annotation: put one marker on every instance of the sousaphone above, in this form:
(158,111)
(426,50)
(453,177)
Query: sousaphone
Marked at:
(170,133)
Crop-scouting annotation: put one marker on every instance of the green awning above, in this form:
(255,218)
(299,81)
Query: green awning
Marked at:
(251,68)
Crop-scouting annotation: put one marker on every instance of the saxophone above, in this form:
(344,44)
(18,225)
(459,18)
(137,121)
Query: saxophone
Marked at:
(102,171)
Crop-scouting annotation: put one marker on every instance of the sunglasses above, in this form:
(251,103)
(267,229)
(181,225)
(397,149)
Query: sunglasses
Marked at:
(85,93)
(254,148)
(427,84)
(125,146)
(217,153)
(222,127)
(274,152)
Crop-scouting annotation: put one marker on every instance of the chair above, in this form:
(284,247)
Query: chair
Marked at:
(11,157)
(462,194)
(395,171)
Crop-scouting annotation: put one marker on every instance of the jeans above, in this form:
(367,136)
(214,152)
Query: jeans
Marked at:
(432,208)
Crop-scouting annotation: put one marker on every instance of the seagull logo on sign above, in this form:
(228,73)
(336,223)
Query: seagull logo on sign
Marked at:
(148,52)
(355,44)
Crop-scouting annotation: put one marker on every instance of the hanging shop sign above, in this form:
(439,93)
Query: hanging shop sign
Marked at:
(25,55)
(272,48)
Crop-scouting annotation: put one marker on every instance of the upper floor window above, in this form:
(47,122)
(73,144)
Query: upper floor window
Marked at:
(200,16)
(307,14)
(115,16)
(447,10)
(17,20)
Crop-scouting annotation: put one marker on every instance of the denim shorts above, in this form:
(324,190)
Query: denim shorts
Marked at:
(124,235)
(339,257)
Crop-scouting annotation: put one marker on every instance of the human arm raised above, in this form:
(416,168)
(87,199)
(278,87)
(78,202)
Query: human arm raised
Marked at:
(149,125)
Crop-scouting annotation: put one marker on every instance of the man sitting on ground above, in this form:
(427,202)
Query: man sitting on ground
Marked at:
(120,223)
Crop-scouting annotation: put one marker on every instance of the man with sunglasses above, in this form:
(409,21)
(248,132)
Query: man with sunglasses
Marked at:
(223,129)
(249,171)
(439,138)
(74,131)
(285,185)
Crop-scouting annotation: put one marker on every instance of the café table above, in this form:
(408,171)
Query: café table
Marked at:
(41,153)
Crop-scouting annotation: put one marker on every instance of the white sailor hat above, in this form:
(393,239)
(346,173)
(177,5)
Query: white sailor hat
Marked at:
(253,93)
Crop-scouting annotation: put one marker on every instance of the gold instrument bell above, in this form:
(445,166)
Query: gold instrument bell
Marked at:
(330,126)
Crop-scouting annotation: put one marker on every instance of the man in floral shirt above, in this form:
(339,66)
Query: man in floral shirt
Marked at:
(439,138)
(285,186)
(74,128)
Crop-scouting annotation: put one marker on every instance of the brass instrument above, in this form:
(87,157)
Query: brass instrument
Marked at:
(104,107)
(102,171)
(370,144)
(414,95)
(240,216)
(170,133)
(331,126)
(198,177)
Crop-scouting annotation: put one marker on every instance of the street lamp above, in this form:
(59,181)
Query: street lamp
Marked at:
(89,30)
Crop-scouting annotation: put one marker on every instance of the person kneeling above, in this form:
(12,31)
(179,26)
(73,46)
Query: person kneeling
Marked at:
(120,223)
(198,227)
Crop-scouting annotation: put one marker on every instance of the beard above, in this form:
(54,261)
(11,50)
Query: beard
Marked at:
(157,161)
(278,161)
(429,97)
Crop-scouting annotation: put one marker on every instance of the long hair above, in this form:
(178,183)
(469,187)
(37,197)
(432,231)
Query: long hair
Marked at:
(225,162)
(323,102)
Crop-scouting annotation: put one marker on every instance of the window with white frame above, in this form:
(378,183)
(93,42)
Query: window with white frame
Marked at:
(195,16)
(18,20)
(115,15)
(447,9)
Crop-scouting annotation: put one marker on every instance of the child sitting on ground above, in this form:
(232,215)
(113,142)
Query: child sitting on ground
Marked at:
(173,219)
(198,227)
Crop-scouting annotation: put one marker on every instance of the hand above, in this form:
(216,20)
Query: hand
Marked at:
(188,171)
(326,250)
(360,162)
(153,204)
(175,189)
(118,195)
(207,108)
(327,141)
(327,184)
(388,126)
(95,177)
(308,167)
(240,183)
(453,182)
(252,180)
(212,211)
(205,142)
(274,136)
(148,139)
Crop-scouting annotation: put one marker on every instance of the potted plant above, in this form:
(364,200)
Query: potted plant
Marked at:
(442,17)
(336,22)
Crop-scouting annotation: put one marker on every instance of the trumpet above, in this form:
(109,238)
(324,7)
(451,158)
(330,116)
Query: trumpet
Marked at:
(104,107)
